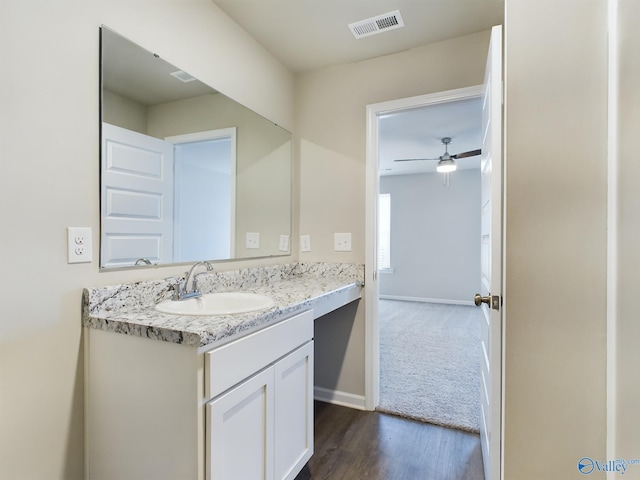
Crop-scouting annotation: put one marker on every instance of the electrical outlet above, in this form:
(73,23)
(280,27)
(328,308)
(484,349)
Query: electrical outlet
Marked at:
(342,242)
(252,240)
(79,245)
(284,243)
(305,243)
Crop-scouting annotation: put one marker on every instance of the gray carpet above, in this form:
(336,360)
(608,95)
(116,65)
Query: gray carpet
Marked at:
(430,362)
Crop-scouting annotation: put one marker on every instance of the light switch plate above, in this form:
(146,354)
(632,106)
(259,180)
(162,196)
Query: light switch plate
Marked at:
(284,243)
(305,243)
(252,240)
(342,242)
(79,245)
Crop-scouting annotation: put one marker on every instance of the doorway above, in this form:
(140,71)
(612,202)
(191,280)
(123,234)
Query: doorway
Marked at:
(492,217)
(375,115)
(204,172)
(431,270)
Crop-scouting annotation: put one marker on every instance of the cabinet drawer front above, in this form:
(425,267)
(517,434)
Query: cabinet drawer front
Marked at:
(230,364)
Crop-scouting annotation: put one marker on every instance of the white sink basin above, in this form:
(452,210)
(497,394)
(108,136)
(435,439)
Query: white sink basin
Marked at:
(223,303)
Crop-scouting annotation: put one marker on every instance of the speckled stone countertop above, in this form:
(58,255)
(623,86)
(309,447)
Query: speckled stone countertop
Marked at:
(130,308)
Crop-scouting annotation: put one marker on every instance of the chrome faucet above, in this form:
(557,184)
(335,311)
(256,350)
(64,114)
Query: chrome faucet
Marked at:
(183,291)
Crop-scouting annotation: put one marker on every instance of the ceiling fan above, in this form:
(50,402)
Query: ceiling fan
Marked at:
(446,162)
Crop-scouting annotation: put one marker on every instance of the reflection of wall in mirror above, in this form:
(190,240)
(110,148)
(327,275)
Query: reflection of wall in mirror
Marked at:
(263,188)
(124,112)
(263,182)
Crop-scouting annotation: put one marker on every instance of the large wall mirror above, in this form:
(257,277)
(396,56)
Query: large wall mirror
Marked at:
(187,174)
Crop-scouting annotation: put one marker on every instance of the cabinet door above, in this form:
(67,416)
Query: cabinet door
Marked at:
(293,432)
(240,429)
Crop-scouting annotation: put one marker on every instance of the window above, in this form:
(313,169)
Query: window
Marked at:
(384,231)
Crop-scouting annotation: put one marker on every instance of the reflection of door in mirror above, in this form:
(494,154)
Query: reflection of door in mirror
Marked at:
(168,201)
(137,197)
(204,195)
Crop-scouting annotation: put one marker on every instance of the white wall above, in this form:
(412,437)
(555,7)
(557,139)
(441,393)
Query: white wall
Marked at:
(331,129)
(49,180)
(627,336)
(435,236)
(556,237)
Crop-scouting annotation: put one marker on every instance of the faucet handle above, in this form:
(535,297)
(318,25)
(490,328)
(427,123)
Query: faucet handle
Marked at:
(175,285)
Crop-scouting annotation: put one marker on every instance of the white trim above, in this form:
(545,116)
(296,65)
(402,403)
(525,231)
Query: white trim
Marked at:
(372,338)
(371,285)
(427,300)
(423,100)
(337,397)
(87,400)
(612,232)
(231,134)
(503,272)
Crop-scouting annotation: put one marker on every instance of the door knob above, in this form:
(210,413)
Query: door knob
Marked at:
(479,299)
(493,301)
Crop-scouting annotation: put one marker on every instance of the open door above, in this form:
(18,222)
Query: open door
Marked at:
(136,198)
(490,297)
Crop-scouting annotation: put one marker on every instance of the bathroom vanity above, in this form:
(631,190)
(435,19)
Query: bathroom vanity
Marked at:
(171,394)
(206,397)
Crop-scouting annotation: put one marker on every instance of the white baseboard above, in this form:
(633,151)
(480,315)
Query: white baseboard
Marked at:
(339,398)
(427,300)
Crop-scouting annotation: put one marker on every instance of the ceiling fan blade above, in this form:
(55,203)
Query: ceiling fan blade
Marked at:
(415,159)
(470,153)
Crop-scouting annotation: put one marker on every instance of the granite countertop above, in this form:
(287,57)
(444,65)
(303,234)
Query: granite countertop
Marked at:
(130,309)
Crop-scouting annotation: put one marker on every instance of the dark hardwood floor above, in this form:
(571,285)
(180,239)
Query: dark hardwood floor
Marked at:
(353,445)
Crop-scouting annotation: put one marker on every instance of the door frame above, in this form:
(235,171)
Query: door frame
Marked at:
(371,287)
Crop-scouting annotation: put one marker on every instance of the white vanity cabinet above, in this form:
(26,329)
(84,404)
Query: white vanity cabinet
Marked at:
(159,410)
(262,428)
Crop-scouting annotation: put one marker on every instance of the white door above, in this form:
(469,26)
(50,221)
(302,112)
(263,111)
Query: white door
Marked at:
(136,197)
(293,412)
(240,429)
(490,296)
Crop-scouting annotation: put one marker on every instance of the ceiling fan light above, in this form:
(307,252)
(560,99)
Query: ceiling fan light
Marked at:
(446,166)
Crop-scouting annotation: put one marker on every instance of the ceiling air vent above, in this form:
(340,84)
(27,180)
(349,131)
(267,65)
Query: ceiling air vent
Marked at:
(379,24)
(183,76)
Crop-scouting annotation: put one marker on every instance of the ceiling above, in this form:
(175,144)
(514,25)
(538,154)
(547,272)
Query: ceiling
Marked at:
(310,34)
(316,34)
(417,133)
(140,75)
(305,35)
